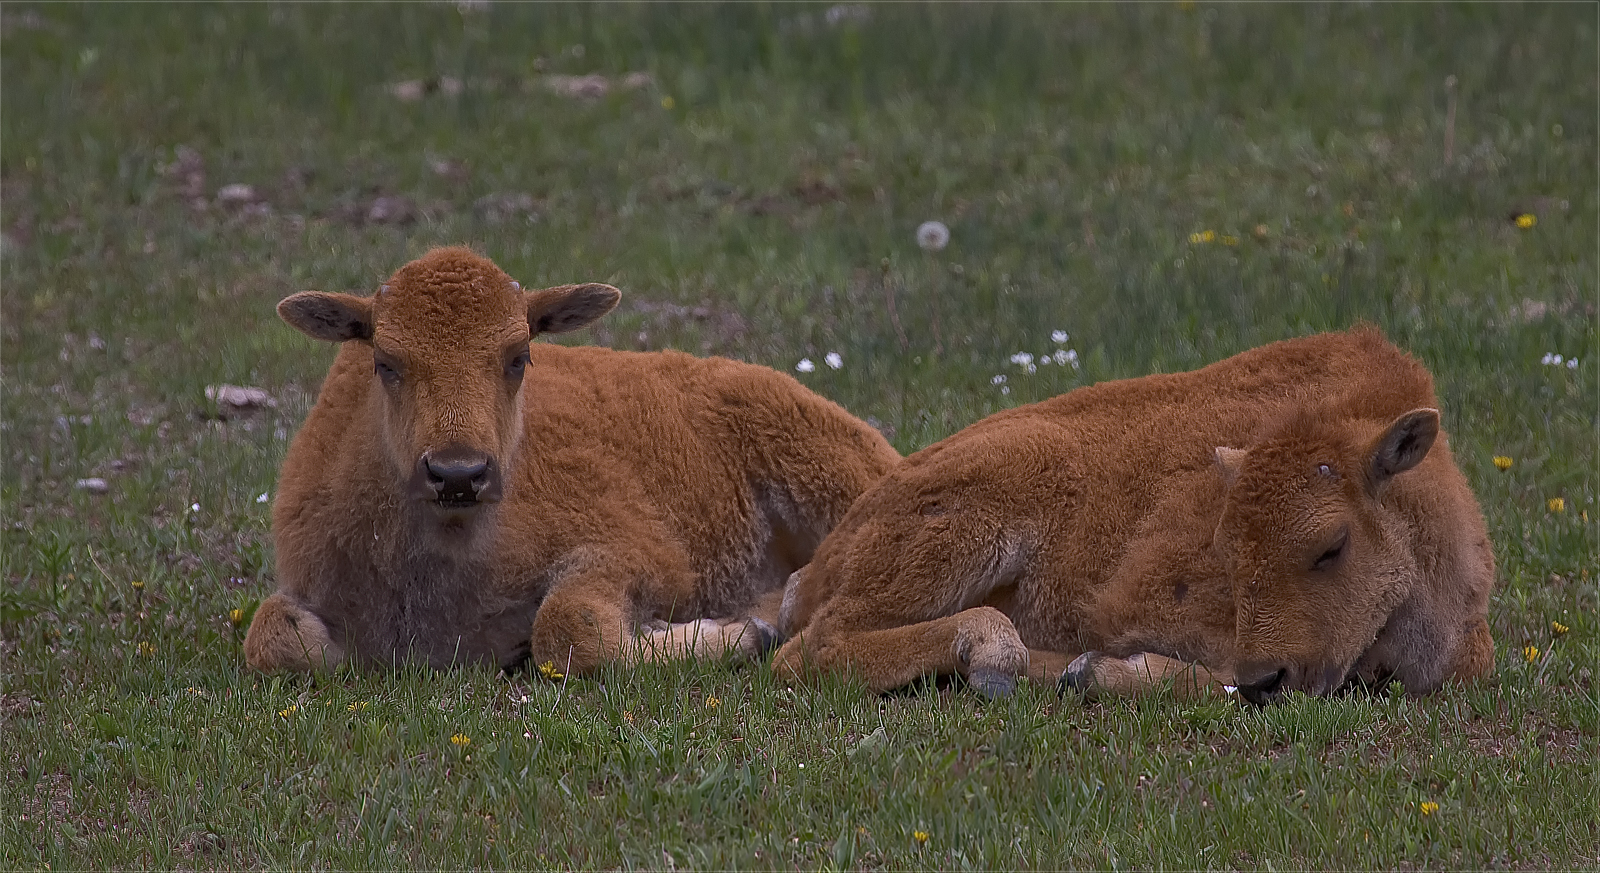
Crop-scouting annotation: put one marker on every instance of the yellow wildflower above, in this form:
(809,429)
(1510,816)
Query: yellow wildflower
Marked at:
(712,703)
(1203,236)
(461,740)
(138,584)
(285,713)
(1229,240)
(235,617)
(548,670)
(147,648)
(1558,628)
(357,706)
(920,836)
(1428,807)
(667,102)
(1526,220)
(1531,653)
(1556,504)
(1502,463)
(1261,231)
(627,716)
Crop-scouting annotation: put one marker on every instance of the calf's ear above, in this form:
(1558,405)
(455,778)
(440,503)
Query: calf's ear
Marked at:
(325,316)
(569,307)
(1403,445)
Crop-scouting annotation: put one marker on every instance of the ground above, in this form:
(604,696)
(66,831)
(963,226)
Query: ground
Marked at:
(1129,189)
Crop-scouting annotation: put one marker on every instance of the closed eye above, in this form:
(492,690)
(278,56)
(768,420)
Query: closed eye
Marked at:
(1331,555)
(516,365)
(387,372)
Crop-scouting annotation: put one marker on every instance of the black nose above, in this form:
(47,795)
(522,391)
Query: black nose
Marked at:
(1261,685)
(459,477)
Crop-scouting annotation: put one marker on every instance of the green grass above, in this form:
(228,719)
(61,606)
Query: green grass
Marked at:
(758,200)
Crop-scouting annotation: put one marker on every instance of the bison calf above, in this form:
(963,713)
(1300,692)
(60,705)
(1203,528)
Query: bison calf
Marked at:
(461,495)
(1286,519)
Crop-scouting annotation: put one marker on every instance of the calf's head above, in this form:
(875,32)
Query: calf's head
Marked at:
(449,337)
(1318,566)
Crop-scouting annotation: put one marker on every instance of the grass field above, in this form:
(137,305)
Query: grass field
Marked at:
(1166,183)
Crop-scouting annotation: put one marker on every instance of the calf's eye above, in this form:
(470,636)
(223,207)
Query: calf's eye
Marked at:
(516,365)
(1331,556)
(387,373)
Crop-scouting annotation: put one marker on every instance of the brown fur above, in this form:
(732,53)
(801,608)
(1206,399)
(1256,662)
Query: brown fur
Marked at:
(632,505)
(1170,527)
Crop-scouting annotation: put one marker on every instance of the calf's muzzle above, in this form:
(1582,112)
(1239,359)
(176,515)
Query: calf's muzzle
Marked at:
(456,478)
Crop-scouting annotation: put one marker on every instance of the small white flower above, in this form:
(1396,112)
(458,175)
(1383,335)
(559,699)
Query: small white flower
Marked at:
(1058,336)
(999,379)
(1572,363)
(805,365)
(1005,389)
(1060,356)
(1072,358)
(1551,359)
(933,236)
(1045,360)
(262,497)
(194,507)
(1022,359)
(833,360)
(802,766)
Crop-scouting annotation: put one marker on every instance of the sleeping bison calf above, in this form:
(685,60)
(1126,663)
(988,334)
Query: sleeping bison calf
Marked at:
(1287,519)
(459,495)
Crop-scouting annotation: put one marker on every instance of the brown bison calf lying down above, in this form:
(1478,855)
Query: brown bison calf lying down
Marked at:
(459,495)
(1286,519)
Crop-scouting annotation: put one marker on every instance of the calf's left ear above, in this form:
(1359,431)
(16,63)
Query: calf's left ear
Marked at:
(569,307)
(1403,445)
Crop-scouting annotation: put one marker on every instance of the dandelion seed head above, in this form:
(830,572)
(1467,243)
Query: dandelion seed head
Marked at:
(933,236)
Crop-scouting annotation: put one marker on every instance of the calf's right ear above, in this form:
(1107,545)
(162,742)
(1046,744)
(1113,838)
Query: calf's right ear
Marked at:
(325,316)
(569,307)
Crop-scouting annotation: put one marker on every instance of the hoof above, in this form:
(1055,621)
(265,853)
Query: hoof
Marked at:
(1079,675)
(992,683)
(767,636)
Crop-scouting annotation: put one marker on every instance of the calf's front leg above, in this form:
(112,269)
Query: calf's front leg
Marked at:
(286,635)
(978,644)
(1096,673)
(580,627)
